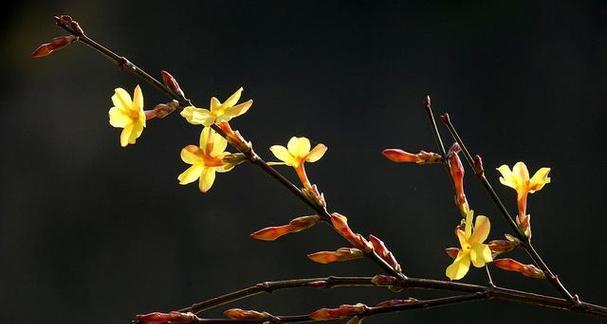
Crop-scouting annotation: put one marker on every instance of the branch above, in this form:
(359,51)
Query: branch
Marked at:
(72,27)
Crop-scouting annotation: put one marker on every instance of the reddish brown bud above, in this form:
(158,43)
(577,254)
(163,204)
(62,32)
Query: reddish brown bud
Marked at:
(502,246)
(341,255)
(478,165)
(314,195)
(396,302)
(380,248)
(423,157)
(67,21)
(524,223)
(528,270)
(445,118)
(165,318)
(456,169)
(336,313)
(171,83)
(296,225)
(235,138)
(427,102)
(56,44)
(340,222)
(452,252)
(241,314)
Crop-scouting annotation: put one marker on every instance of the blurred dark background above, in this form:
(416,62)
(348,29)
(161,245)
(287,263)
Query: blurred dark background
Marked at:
(93,233)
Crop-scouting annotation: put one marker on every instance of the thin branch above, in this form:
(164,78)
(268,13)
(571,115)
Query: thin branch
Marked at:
(130,67)
(525,242)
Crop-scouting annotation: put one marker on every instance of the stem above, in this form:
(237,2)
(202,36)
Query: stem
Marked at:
(526,243)
(127,65)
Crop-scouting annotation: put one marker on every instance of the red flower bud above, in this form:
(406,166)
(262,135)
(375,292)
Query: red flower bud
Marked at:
(340,222)
(396,302)
(56,44)
(457,174)
(337,313)
(171,83)
(383,280)
(241,314)
(380,248)
(296,225)
(528,270)
(341,255)
(165,318)
(423,157)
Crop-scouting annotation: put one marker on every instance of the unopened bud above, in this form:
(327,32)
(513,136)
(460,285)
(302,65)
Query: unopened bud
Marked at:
(478,165)
(528,270)
(423,157)
(241,314)
(502,246)
(165,318)
(445,118)
(340,222)
(341,255)
(55,44)
(456,169)
(171,83)
(296,225)
(396,302)
(380,248)
(337,313)
(427,102)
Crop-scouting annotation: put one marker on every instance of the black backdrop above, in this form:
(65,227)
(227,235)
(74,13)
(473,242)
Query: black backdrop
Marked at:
(93,233)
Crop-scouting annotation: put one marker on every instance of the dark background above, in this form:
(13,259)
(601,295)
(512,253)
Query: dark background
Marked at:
(93,233)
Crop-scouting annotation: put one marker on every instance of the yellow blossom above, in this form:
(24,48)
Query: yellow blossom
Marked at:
(296,154)
(206,159)
(518,179)
(128,114)
(218,112)
(472,247)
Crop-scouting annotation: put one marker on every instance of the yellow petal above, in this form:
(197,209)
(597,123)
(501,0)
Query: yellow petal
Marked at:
(206,179)
(299,146)
(316,153)
(468,223)
(122,99)
(539,179)
(281,153)
(215,103)
(233,98)
(136,132)
(239,109)
(205,136)
(188,154)
(480,254)
(118,118)
(520,175)
(125,135)
(219,145)
(458,269)
(225,168)
(137,99)
(506,179)
(482,226)
(461,236)
(197,116)
(190,174)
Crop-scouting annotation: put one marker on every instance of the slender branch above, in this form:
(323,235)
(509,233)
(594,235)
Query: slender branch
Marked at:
(525,242)
(130,67)
(493,292)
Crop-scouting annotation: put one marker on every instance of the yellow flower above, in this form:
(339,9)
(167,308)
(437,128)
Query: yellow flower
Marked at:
(472,247)
(518,179)
(296,154)
(128,114)
(206,159)
(218,112)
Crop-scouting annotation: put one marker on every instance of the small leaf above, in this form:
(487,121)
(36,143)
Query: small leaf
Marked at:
(341,255)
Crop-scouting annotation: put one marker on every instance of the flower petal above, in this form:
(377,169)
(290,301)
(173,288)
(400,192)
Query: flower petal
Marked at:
(281,153)
(206,179)
(316,153)
(299,146)
(205,137)
(122,99)
(460,266)
(215,103)
(539,179)
(137,130)
(190,174)
(521,175)
(118,118)
(233,98)
(482,226)
(507,178)
(137,99)
(239,109)
(189,154)
(197,116)
(225,168)
(125,135)
(219,146)
(480,254)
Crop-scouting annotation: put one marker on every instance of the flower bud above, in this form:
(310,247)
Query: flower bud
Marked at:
(56,44)
(343,311)
(171,83)
(314,195)
(380,248)
(340,222)
(502,246)
(296,225)
(528,270)
(165,318)
(423,157)
(396,302)
(235,138)
(456,169)
(341,255)
(241,314)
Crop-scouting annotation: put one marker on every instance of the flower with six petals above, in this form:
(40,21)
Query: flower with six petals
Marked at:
(206,159)
(296,154)
(218,112)
(128,114)
(472,247)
